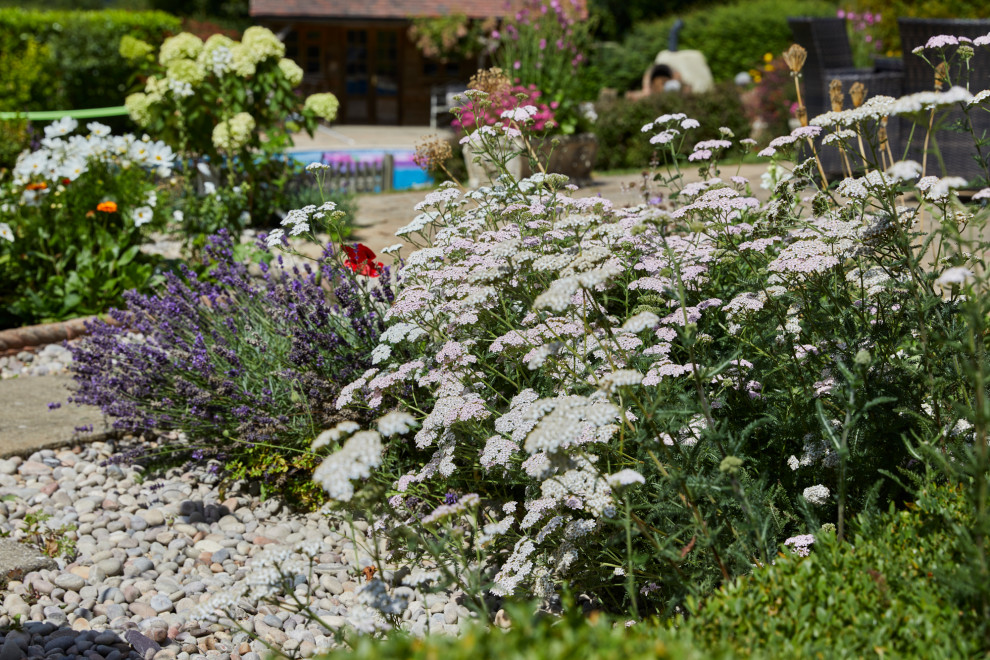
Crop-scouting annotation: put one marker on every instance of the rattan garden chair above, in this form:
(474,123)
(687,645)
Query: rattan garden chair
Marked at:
(957,148)
(830,58)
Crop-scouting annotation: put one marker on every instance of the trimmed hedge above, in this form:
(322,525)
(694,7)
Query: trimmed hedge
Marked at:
(620,123)
(733,38)
(80,50)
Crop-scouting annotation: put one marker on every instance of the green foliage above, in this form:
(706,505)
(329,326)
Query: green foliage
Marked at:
(15,137)
(732,37)
(620,123)
(530,638)
(78,65)
(884,592)
(67,258)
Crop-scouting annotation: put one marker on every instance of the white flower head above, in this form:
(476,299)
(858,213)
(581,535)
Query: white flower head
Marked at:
(396,423)
(625,478)
(5,232)
(142,215)
(817,494)
(956,276)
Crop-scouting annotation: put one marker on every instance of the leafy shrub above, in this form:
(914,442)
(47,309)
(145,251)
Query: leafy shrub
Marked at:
(529,638)
(76,211)
(731,36)
(246,369)
(885,591)
(231,106)
(88,71)
(620,123)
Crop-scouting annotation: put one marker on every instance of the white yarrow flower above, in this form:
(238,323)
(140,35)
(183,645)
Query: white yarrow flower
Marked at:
(625,478)
(817,494)
(956,276)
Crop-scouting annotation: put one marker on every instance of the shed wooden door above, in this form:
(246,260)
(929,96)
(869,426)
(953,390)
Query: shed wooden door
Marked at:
(371,76)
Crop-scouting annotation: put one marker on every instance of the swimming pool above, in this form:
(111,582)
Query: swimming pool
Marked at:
(407,174)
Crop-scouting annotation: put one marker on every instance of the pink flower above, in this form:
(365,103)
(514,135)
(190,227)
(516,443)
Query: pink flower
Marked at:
(840,14)
(543,44)
(496,35)
(517,65)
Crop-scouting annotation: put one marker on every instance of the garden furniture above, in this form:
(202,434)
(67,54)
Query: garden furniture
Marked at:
(830,58)
(956,147)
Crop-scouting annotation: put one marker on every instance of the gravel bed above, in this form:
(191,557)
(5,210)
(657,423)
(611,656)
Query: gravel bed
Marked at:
(50,359)
(148,551)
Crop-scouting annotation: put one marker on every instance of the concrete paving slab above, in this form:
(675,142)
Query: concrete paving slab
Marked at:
(18,559)
(26,423)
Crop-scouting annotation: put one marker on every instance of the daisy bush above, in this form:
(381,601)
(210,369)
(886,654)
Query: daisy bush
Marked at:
(643,403)
(73,213)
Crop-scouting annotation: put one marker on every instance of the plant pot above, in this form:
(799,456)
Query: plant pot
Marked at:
(481,172)
(572,155)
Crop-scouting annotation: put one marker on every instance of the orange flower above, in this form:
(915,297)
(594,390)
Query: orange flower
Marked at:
(38,185)
(107,207)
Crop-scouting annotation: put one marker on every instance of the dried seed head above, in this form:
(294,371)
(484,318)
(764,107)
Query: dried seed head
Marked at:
(857,93)
(795,57)
(836,95)
(492,81)
(432,153)
(802,115)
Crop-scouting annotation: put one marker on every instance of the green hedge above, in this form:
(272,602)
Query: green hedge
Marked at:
(78,62)
(733,38)
(620,123)
(889,591)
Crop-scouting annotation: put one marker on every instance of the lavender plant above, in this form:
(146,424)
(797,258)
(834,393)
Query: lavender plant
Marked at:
(246,368)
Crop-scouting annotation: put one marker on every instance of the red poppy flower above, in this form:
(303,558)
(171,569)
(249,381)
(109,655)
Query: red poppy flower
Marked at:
(361,260)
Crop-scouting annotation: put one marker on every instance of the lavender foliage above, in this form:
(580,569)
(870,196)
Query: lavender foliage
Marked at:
(233,361)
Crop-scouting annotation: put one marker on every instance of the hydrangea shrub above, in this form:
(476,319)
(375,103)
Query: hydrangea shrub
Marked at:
(230,105)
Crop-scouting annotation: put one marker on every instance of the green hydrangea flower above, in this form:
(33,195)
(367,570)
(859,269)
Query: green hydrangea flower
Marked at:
(139,108)
(292,71)
(234,133)
(155,90)
(242,62)
(181,46)
(262,43)
(212,44)
(134,49)
(186,71)
(324,106)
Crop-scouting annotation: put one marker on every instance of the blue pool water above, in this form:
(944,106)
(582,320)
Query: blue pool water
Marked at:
(407,174)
